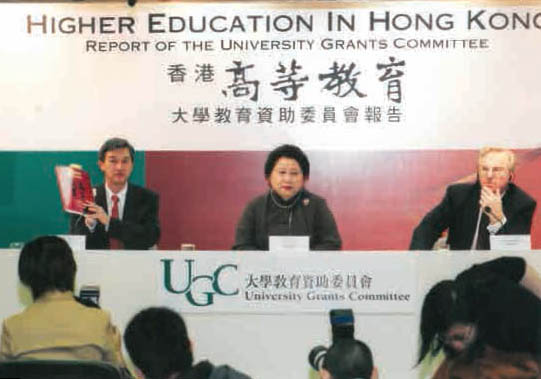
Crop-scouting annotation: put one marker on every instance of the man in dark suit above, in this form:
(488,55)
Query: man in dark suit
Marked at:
(123,216)
(503,208)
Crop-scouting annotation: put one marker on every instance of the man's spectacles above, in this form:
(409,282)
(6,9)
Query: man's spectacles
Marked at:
(498,170)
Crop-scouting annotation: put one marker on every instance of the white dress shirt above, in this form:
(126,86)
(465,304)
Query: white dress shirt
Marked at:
(91,223)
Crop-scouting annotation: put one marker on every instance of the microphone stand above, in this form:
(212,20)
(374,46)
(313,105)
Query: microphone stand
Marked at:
(482,210)
(476,235)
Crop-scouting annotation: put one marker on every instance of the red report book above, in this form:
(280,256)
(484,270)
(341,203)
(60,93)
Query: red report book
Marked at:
(75,188)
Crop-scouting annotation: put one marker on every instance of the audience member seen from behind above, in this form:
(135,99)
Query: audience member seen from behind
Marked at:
(287,209)
(348,359)
(158,344)
(55,325)
(490,309)
(492,364)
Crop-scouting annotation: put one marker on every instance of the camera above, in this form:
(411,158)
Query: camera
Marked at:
(342,327)
(89,295)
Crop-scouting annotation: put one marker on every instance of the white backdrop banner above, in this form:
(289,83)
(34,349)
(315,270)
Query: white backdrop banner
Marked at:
(270,282)
(246,76)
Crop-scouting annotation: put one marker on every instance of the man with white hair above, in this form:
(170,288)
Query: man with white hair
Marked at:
(474,211)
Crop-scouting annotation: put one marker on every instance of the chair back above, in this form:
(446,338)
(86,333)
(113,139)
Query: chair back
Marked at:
(58,369)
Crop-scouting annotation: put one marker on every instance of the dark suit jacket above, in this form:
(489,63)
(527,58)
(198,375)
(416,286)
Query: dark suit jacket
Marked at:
(458,211)
(139,228)
(316,219)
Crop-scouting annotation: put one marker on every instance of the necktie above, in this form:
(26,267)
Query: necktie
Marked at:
(483,243)
(114,243)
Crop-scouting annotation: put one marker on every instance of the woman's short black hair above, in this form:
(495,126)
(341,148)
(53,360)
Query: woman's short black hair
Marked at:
(46,264)
(157,341)
(287,151)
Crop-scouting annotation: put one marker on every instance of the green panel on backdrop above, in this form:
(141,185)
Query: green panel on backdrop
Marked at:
(29,200)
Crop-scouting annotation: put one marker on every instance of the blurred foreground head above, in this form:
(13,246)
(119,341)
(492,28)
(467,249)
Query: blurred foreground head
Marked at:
(46,264)
(348,359)
(158,344)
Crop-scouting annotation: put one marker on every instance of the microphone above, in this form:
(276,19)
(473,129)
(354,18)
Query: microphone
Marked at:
(79,218)
(476,234)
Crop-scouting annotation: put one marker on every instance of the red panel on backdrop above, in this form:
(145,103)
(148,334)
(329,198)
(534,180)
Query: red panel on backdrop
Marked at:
(377,197)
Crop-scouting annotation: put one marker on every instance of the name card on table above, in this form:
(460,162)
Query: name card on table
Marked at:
(298,244)
(510,242)
(76,242)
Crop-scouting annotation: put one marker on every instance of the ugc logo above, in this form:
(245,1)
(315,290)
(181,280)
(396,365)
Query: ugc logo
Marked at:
(205,286)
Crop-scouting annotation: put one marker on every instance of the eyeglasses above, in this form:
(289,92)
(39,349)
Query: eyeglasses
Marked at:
(498,170)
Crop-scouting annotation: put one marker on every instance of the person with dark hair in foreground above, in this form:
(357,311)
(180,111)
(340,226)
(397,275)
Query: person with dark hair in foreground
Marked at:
(490,309)
(348,359)
(123,216)
(287,209)
(158,344)
(55,325)
(492,364)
